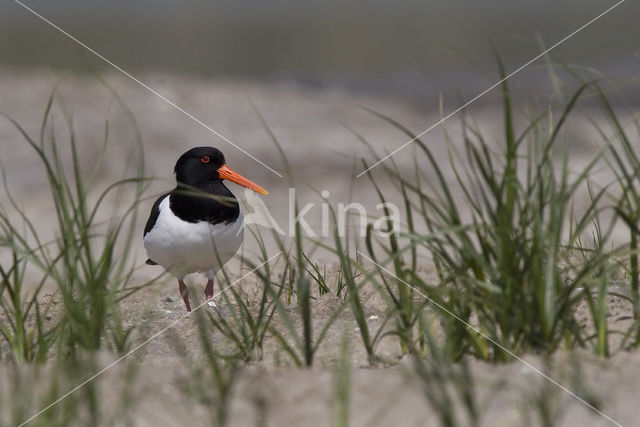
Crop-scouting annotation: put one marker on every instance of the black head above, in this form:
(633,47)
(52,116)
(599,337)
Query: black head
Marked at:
(204,168)
(198,169)
(199,166)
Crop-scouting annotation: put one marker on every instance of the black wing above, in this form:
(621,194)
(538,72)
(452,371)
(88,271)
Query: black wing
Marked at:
(153,217)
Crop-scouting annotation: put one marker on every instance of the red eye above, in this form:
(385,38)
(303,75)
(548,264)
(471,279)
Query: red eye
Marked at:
(205,159)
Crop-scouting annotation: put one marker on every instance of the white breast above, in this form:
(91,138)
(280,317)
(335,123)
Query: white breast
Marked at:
(185,247)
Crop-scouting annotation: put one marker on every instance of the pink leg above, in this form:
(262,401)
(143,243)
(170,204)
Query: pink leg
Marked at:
(208,291)
(184,292)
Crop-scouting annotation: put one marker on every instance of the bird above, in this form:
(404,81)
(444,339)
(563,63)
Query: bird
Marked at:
(198,226)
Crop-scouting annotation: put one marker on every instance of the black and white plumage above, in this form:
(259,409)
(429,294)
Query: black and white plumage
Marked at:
(197,226)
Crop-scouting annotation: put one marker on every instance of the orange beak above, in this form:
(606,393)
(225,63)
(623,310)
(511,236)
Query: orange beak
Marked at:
(226,173)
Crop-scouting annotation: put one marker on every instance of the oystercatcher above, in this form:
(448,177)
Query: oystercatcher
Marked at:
(197,226)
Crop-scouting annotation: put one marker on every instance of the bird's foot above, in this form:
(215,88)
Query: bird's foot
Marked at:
(208,290)
(184,292)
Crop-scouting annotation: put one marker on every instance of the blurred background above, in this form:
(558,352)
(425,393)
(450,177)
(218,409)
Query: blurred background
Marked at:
(412,48)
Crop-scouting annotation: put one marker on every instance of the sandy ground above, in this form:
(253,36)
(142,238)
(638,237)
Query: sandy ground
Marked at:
(389,393)
(309,122)
(270,391)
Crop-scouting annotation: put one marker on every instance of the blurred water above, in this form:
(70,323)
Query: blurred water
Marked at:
(402,41)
